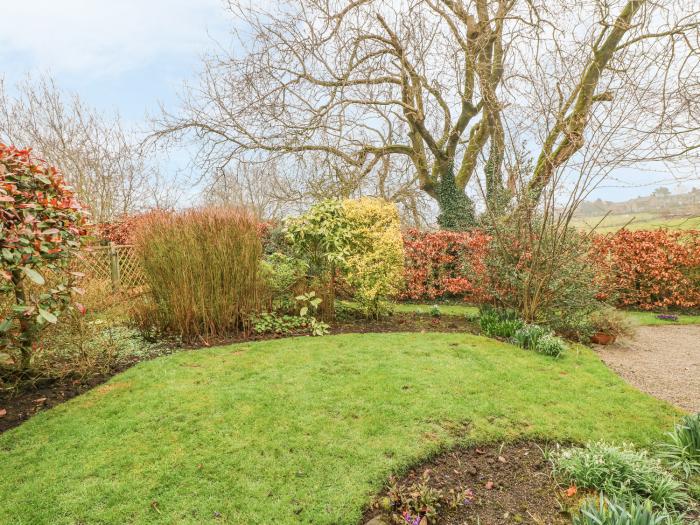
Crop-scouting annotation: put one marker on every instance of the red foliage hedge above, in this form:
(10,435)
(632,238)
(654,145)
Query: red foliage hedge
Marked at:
(650,269)
(125,229)
(637,269)
(445,264)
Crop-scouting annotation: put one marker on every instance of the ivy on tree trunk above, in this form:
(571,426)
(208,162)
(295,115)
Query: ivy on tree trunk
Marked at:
(456,209)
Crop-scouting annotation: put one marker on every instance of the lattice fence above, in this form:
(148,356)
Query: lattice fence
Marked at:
(116,263)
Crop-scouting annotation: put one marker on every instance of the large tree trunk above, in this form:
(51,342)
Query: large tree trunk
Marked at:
(456,209)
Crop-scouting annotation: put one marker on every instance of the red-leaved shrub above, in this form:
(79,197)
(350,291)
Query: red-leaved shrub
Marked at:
(444,264)
(650,269)
(41,231)
(125,229)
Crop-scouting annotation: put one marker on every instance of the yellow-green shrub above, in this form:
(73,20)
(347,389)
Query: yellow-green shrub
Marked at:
(374,266)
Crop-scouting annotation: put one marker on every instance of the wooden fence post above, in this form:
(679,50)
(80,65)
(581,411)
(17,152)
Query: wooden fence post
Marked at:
(114,266)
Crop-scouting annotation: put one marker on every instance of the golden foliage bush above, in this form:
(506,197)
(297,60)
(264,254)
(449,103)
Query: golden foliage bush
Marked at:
(374,266)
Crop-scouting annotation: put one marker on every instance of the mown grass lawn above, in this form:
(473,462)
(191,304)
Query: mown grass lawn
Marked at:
(456,309)
(650,319)
(298,430)
(445,309)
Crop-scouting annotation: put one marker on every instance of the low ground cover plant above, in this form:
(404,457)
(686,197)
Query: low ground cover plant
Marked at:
(539,339)
(550,345)
(620,472)
(603,511)
(681,451)
(418,501)
(529,336)
(499,322)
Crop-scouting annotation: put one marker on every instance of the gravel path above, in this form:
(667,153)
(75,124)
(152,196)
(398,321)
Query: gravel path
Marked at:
(663,361)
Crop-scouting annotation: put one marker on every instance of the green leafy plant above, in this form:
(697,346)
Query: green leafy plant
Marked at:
(610,321)
(495,322)
(284,276)
(321,237)
(271,323)
(347,311)
(434,311)
(681,452)
(473,318)
(550,345)
(601,511)
(309,303)
(318,328)
(40,234)
(417,500)
(529,335)
(619,472)
(357,240)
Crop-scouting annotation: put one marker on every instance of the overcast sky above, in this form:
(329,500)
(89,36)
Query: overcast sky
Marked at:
(131,55)
(123,54)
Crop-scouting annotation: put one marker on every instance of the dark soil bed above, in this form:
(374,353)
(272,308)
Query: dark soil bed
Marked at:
(31,397)
(41,393)
(480,485)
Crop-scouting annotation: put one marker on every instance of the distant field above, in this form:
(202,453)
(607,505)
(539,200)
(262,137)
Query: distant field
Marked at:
(637,221)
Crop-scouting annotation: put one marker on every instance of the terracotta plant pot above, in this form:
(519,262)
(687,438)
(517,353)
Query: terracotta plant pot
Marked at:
(601,338)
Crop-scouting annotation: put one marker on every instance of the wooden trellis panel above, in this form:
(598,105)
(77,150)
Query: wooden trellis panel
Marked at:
(116,263)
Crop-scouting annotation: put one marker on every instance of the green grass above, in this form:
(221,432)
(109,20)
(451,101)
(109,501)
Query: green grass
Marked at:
(638,318)
(650,319)
(298,430)
(637,221)
(445,309)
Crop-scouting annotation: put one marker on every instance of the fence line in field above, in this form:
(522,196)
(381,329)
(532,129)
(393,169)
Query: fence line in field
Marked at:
(117,263)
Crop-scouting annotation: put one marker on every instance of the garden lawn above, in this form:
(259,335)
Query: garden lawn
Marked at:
(445,309)
(650,319)
(298,430)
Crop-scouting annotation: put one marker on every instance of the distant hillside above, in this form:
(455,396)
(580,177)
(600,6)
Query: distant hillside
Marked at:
(659,210)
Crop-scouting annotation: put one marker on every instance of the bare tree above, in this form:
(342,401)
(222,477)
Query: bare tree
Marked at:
(450,86)
(97,154)
(248,186)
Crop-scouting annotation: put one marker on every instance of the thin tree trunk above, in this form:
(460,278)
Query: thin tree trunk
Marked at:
(26,327)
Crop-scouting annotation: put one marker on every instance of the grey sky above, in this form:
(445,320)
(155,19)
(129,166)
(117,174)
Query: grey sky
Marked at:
(131,55)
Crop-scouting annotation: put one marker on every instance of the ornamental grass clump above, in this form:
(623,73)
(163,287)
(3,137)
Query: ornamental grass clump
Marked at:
(203,269)
(602,511)
(681,452)
(620,472)
(497,322)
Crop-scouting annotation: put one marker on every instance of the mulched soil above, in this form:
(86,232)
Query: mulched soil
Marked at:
(508,484)
(43,393)
(19,405)
(406,323)
(663,361)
